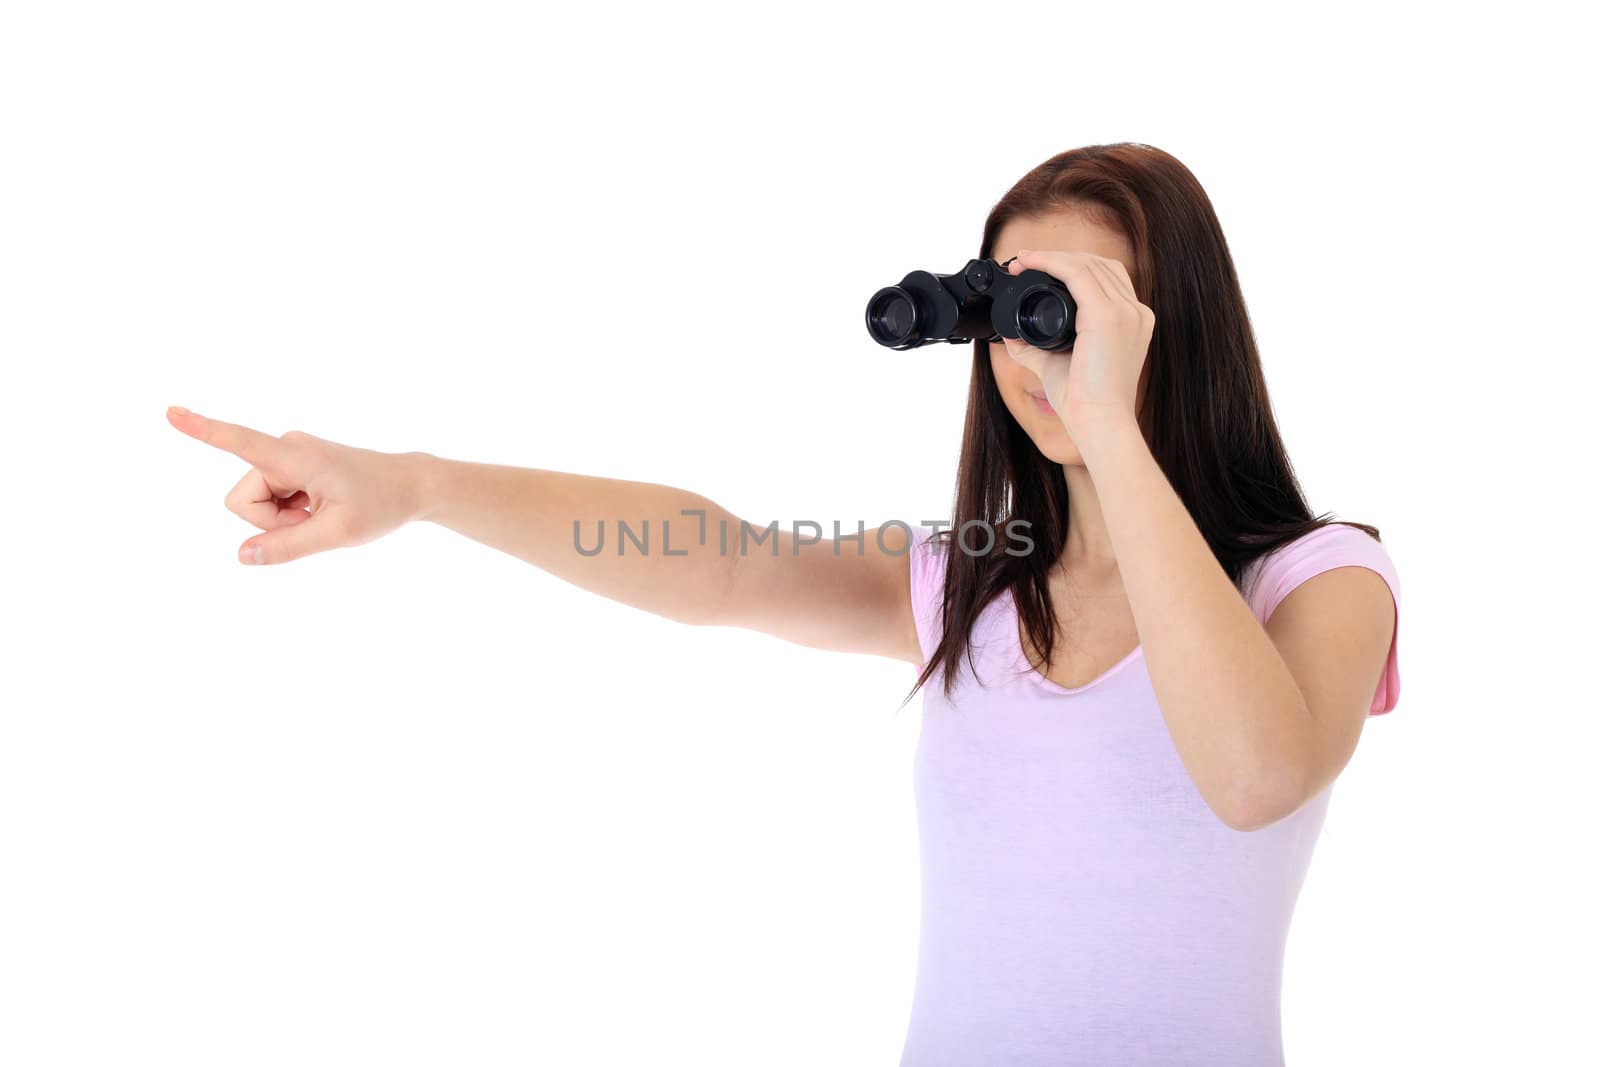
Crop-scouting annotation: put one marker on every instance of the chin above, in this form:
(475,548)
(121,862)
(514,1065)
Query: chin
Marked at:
(1056,445)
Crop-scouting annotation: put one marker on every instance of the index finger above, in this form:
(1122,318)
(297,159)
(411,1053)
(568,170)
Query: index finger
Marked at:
(253,446)
(1070,268)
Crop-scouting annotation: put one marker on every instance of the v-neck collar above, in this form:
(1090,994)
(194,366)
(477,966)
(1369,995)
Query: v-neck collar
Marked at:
(1019,657)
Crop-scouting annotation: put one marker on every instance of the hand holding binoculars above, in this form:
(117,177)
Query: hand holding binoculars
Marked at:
(984,302)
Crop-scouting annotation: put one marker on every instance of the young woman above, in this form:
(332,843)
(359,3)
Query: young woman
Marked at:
(1126,756)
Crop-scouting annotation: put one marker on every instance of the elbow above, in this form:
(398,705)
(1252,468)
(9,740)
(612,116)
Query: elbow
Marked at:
(721,607)
(1267,788)
(1248,820)
(1260,801)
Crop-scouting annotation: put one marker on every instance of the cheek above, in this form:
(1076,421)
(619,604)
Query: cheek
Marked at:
(1007,371)
(1008,380)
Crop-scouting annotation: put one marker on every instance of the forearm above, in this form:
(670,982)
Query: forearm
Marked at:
(1231,705)
(531,514)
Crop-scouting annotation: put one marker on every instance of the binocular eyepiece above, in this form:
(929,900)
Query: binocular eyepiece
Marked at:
(984,302)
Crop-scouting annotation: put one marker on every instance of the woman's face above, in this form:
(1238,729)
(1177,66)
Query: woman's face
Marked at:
(1067,231)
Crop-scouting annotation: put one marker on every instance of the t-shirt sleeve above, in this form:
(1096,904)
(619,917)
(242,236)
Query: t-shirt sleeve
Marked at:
(1276,574)
(927,588)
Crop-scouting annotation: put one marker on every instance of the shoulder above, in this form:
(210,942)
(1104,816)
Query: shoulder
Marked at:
(929,560)
(1272,576)
(1349,609)
(927,552)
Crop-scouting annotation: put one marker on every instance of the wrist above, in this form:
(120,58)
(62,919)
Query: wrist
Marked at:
(1107,434)
(422,475)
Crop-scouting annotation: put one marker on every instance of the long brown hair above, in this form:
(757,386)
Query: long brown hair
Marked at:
(1204,413)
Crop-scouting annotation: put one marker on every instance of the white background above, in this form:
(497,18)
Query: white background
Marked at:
(418,802)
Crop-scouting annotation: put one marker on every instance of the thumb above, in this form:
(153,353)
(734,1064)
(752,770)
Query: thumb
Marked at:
(303,537)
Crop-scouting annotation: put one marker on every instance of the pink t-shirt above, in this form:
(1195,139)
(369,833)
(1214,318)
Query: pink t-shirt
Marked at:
(1080,902)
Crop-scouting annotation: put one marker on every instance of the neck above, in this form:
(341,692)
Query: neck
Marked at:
(1088,550)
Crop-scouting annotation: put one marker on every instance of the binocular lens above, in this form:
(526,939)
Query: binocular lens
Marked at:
(1042,318)
(892,316)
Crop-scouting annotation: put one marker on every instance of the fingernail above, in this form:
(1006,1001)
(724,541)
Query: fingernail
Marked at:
(180,411)
(251,554)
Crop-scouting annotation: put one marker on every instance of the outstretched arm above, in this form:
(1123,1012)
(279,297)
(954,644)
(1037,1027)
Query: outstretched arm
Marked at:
(687,558)
(308,495)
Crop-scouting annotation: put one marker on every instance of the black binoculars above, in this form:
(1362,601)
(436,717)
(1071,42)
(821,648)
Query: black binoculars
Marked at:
(984,302)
